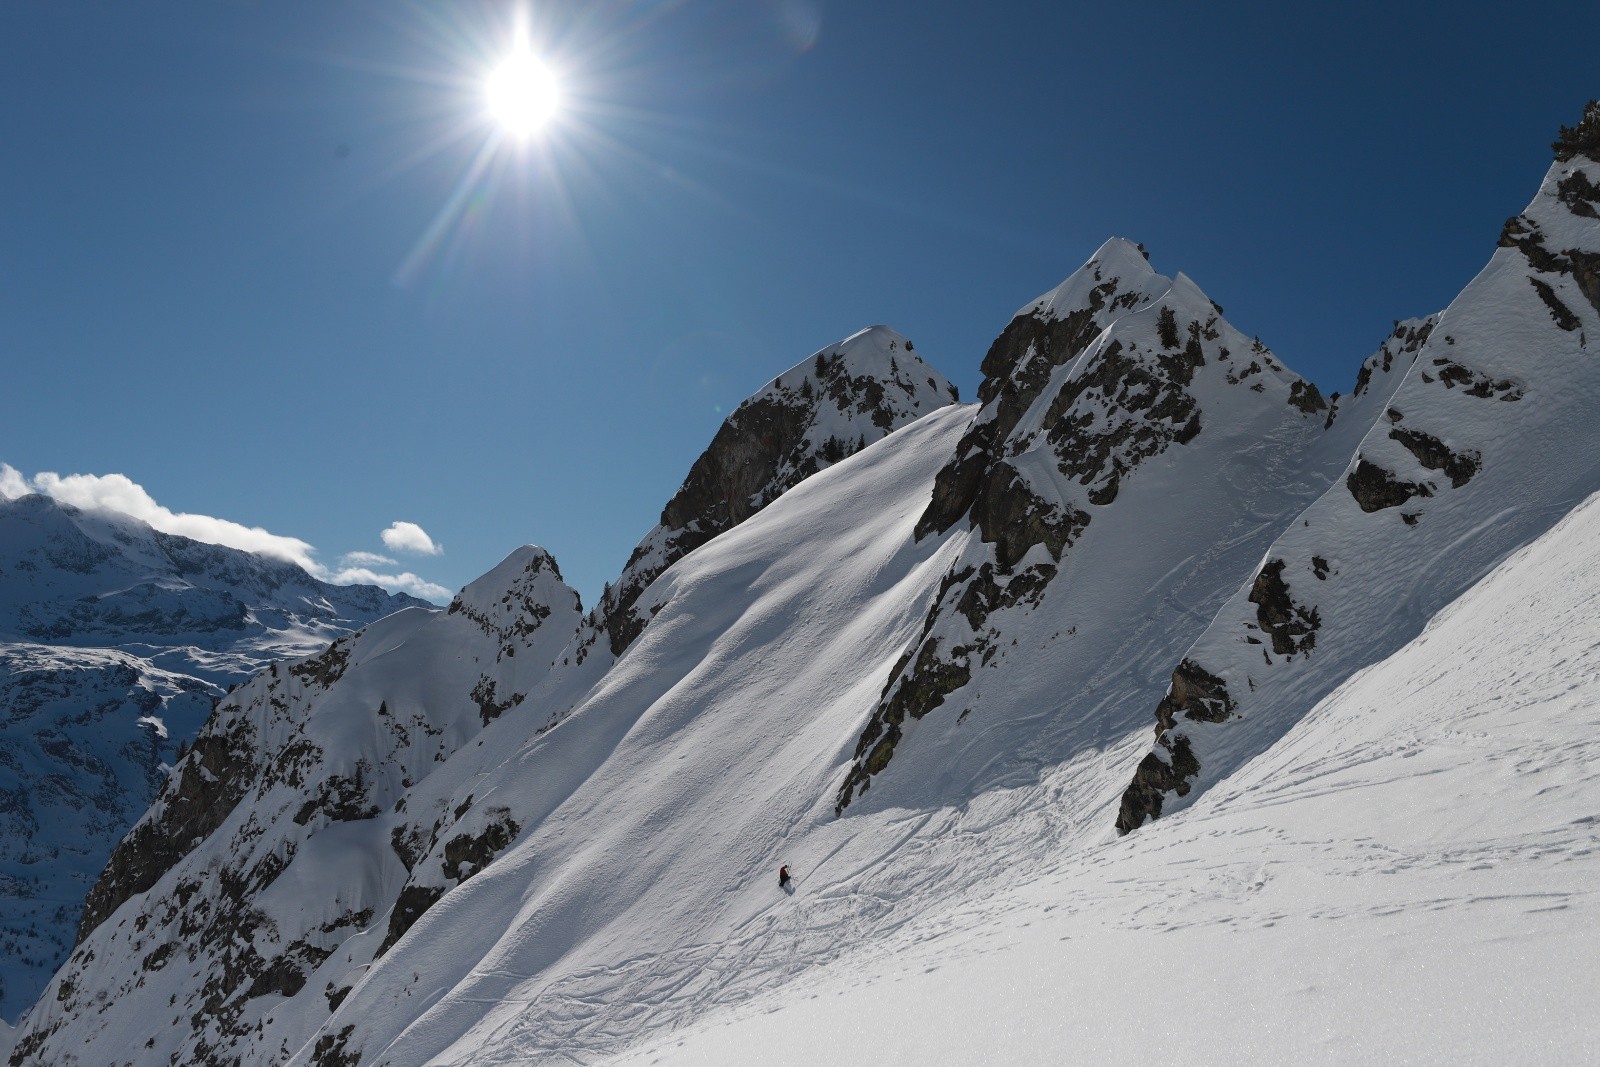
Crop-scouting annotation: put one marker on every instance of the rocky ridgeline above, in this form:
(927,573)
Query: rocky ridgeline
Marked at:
(453,823)
(818,412)
(1118,371)
(1476,454)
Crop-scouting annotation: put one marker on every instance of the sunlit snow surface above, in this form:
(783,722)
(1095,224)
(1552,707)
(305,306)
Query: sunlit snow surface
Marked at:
(1411,875)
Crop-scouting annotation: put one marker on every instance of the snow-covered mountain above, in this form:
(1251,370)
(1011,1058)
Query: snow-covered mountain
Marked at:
(917,666)
(1410,875)
(1486,444)
(317,774)
(115,642)
(819,411)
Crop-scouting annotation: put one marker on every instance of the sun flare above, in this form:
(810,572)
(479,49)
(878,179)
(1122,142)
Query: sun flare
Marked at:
(524,94)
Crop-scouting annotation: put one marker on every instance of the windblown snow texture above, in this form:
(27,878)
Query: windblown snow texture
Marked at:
(816,413)
(115,642)
(1485,445)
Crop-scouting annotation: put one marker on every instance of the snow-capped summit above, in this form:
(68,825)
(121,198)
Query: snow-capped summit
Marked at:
(1482,448)
(824,408)
(1121,409)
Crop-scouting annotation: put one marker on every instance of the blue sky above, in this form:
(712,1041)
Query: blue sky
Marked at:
(242,267)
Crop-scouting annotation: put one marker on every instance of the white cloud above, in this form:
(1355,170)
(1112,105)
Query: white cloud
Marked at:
(366,559)
(395,583)
(409,537)
(12,483)
(118,492)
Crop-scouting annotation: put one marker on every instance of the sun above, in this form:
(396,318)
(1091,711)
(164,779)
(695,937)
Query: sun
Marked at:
(523,93)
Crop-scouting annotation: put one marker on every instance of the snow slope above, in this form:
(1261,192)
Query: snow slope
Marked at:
(403,840)
(115,642)
(953,637)
(1487,442)
(1412,874)
(824,408)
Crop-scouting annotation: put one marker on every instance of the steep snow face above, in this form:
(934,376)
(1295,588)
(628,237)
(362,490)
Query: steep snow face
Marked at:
(1483,447)
(285,831)
(645,822)
(115,641)
(831,405)
(1411,874)
(260,787)
(1134,455)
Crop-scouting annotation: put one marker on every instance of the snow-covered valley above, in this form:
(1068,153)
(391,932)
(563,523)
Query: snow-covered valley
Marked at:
(915,651)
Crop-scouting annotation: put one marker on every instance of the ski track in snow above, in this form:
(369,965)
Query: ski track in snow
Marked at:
(1401,878)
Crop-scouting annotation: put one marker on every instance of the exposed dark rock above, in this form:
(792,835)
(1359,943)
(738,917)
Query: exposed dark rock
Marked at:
(1582,139)
(759,453)
(286,975)
(1580,194)
(326,668)
(1432,453)
(1375,488)
(1558,311)
(956,484)
(342,798)
(1305,397)
(408,908)
(1319,567)
(1152,781)
(1473,383)
(333,1051)
(1196,694)
(1016,370)
(1135,411)
(208,785)
(1008,515)
(468,854)
(1292,627)
(489,708)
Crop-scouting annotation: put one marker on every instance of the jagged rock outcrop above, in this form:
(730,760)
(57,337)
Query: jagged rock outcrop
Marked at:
(1117,402)
(1476,454)
(821,410)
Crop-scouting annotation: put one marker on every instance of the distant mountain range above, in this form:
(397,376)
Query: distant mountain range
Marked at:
(946,663)
(115,642)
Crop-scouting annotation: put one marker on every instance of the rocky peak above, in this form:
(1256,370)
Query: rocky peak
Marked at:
(818,412)
(1117,369)
(1582,139)
(1468,459)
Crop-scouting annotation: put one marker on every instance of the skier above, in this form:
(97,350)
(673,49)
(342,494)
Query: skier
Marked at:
(783,877)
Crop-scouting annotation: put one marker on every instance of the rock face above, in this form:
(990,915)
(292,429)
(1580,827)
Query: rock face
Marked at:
(1122,416)
(116,640)
(1474,456)
(830,406)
